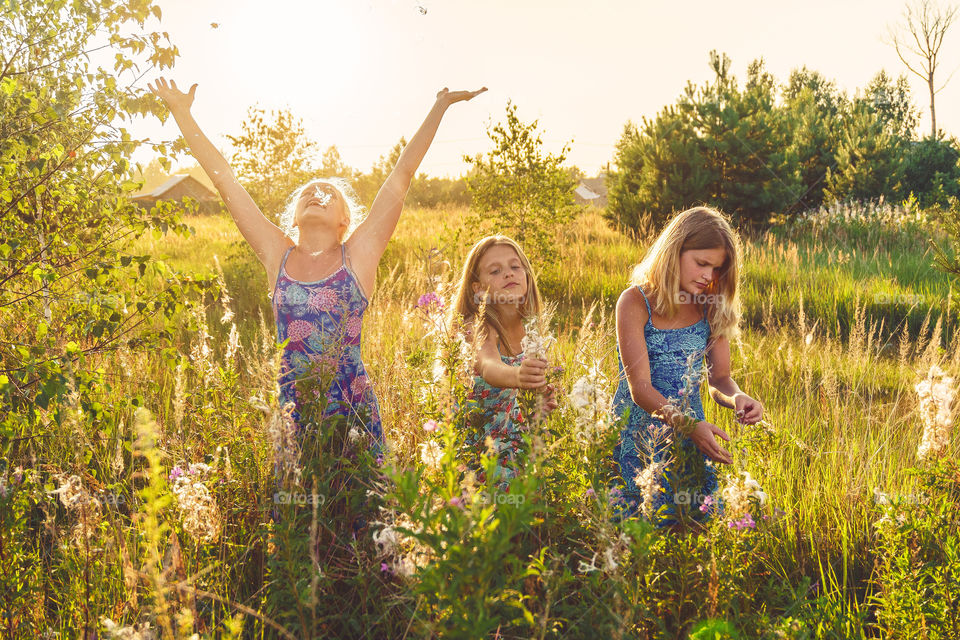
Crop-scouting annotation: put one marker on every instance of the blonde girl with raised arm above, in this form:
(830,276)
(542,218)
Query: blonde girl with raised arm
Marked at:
(321,266)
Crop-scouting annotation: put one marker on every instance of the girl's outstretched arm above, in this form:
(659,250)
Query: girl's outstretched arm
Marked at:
(266,238)
(724,389)
(369,240)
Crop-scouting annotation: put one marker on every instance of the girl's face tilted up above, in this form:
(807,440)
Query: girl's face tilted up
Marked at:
(699,268)
(502,275)
(321,204)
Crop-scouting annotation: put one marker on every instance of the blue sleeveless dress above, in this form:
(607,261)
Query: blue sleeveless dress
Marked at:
(668,351)
(494,412)
(323,320)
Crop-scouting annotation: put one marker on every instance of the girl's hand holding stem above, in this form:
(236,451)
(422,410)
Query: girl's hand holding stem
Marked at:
(531,374)
(701,432)
(748,410)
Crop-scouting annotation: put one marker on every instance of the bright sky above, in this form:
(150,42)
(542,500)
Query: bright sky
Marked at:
(363,73)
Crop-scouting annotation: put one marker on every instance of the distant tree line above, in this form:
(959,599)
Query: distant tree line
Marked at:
(767,148)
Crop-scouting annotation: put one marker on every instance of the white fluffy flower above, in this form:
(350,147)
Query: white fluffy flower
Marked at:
(70,491)
(387,540)
(737,494)
(136,632)
(648,481)
(198,509)
(609,561)
(588,568)
(590,401)
(536,342)
(936,394)
(286,450)
(430,454)
(233,343)
(405,553)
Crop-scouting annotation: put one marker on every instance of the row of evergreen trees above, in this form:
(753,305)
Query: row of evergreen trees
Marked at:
(769,148)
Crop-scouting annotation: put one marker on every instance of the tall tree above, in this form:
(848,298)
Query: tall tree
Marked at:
(524,190)
(814,107)
(918,40)
(720,145)
(272,156)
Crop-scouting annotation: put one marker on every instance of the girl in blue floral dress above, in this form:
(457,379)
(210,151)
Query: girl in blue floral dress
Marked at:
(497,270)
(691,273)
(320,294)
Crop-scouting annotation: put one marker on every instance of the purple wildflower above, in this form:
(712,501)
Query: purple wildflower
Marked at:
(430,301)
(707,502)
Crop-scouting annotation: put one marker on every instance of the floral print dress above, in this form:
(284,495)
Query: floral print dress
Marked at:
(669,351)
(322,321)
(494,412)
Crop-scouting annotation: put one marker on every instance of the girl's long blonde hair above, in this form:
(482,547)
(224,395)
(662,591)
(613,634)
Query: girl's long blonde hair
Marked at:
(658,274)
(466,305)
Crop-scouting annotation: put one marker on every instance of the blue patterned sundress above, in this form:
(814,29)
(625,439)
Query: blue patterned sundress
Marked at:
(494,412)
(323,321)
(668,350)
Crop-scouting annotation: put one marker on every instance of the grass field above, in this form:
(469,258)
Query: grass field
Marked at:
(842,317)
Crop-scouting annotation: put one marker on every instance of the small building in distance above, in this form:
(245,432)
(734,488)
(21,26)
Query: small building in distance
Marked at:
(177,188)
(592,191)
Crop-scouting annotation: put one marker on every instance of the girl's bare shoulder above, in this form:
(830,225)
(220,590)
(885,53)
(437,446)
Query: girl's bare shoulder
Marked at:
(630,305)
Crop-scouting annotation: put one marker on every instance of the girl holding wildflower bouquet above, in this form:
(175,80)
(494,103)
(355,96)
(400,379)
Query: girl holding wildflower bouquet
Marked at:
(319,306)
(683,305)
(497,292)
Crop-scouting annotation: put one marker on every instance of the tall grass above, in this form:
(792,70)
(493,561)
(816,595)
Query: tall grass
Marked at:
(837,334)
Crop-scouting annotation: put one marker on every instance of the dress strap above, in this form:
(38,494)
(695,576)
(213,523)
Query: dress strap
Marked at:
(280,270)
(343,256)
(286,254)
(649,312)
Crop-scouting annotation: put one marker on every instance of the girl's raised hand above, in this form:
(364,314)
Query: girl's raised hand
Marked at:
(531,374)
(173,97)
(449,97)
(703,437)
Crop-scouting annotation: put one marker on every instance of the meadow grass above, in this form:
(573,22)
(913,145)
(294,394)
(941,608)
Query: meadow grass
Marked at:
(836,335)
